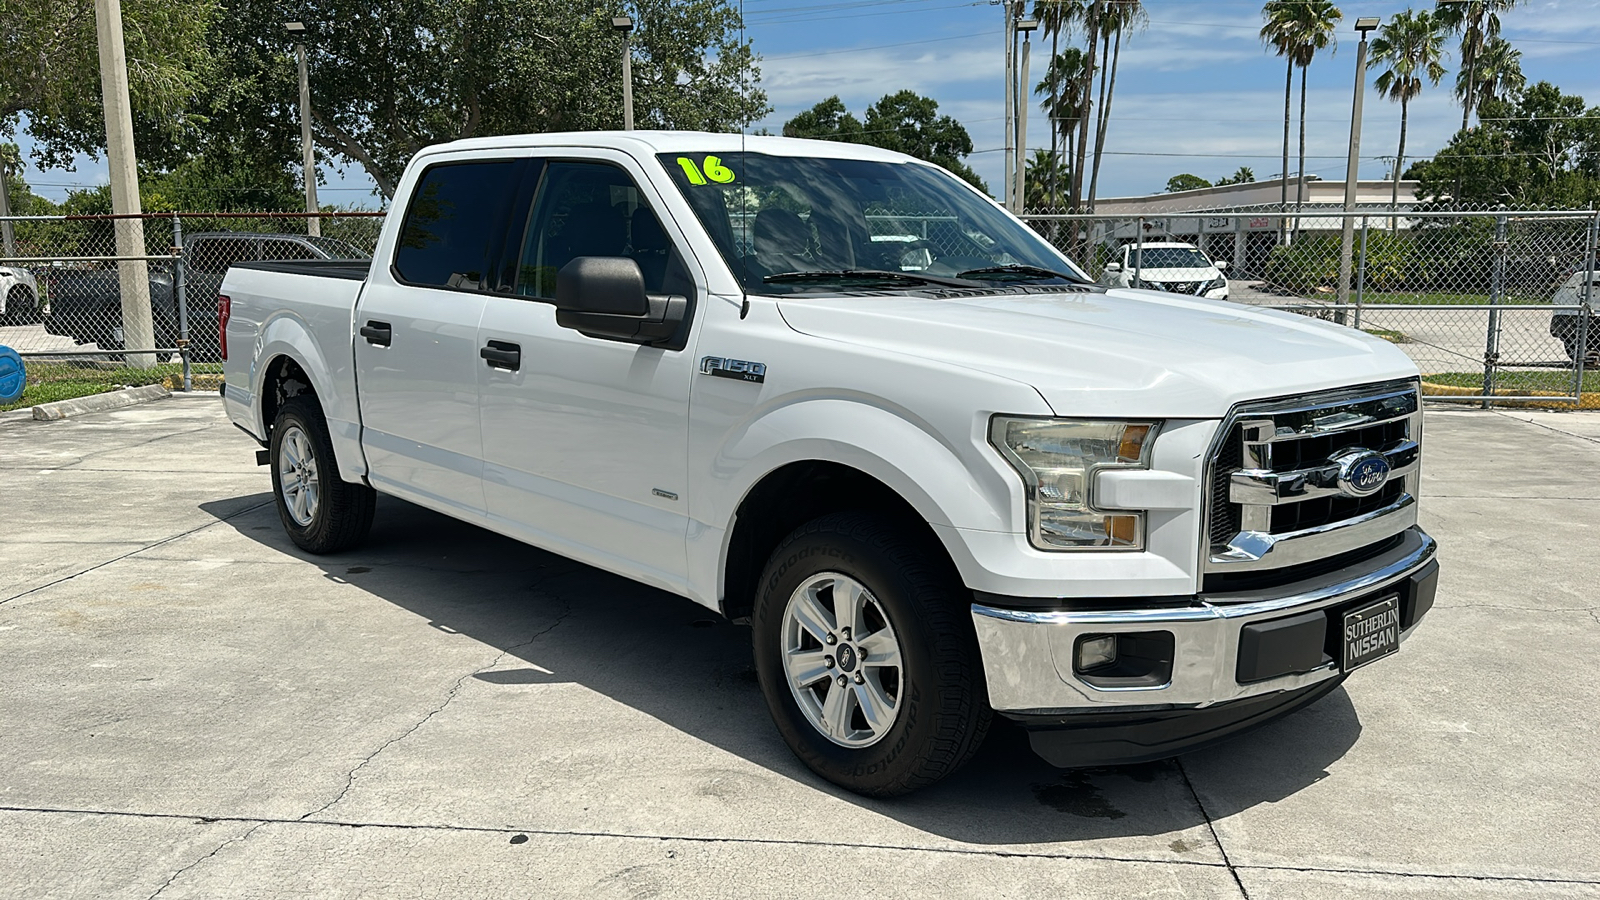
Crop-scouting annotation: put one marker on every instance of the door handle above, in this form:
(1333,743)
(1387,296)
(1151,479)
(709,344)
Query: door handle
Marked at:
(378,333)
(502,355)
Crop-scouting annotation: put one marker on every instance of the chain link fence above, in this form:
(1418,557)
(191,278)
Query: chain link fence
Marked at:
(1494,306)
(133,299)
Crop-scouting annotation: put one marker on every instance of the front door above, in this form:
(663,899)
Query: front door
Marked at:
(417,337)
(585,438)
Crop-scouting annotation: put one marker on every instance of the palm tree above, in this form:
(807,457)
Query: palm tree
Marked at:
(1061,90)
(1477,22)
(1410,47)
(1298,30)
(1092,21)
(1498,72)
(1119,15)
(1056,16)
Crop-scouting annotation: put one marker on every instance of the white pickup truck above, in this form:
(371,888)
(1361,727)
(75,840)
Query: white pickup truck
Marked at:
(944,476)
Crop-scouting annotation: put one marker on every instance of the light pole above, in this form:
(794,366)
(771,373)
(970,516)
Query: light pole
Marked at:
(1020,195)
(1352,167)
(308,158)
(624,25)
(1008,182)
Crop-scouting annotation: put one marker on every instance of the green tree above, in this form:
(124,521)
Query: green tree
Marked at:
(827,121)
(1062,81)
(389,77)
(1409,49)
(51,72)
(1117,17)
(905,122)
(1298,30)
(1186,182)
(1539,149)
(1498,73)
(1241,175)
(1477,22)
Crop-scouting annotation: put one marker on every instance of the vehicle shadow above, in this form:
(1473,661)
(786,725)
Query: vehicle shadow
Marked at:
(617,637)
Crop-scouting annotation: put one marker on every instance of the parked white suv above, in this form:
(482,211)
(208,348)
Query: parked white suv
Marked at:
(19,297)
(1130,522)
(1172,267)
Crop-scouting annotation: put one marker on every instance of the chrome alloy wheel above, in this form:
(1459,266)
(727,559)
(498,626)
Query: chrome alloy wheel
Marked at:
(297,476)
(842,660)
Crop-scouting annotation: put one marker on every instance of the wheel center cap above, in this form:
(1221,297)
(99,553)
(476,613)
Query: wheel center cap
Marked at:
(847,658)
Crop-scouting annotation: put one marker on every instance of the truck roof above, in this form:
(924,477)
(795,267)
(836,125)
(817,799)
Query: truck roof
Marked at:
(653,142)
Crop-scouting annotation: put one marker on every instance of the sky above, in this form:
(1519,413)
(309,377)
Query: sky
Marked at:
(1196,92)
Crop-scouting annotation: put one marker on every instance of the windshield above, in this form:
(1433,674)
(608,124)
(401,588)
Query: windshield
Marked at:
(913,225)
(1169,258)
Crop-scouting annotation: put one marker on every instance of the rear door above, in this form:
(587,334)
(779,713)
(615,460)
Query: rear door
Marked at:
(585,439)
(416,342)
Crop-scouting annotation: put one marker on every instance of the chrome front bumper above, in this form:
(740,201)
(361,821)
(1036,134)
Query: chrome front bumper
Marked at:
(1028,654)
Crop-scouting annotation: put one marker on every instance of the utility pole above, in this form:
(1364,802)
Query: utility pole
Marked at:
(1026,26)
(1352,168)
(1006,185)
(625,25)
(133,275)
(308,158)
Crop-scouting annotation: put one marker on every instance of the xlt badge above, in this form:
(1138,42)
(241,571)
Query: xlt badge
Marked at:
(743,370)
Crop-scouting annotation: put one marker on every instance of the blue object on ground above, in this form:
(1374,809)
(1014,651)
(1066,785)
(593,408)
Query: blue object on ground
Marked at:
(13,375)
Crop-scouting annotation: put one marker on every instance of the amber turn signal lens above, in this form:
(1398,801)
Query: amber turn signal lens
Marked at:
(1131,447)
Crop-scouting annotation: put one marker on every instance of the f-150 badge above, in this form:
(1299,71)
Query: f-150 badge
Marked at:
(734,368)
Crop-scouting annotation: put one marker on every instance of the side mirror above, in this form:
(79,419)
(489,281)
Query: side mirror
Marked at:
(1114,267)
(1221,264)
(604,297)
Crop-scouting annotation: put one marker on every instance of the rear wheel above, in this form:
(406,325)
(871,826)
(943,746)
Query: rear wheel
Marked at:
(866,655)
(321,512)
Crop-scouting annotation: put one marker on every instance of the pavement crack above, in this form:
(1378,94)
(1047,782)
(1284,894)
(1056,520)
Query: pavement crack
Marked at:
(1580,437)
(151,546)
(219,848)
(1215,838)
(450,696)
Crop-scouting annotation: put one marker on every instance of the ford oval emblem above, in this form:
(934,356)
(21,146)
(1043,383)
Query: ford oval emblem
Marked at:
(1362,473)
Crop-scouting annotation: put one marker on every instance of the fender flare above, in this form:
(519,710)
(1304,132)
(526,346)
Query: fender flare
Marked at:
(287,336)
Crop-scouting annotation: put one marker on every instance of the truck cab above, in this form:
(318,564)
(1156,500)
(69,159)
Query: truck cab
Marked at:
(943,479)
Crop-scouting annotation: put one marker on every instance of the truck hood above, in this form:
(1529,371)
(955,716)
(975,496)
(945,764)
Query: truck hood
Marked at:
(1119,353)
(1190,274)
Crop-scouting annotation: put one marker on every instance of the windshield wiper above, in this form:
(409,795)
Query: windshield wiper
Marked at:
(1027,271)
(866,275)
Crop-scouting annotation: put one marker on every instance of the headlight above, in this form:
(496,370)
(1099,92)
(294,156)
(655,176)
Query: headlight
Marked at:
(1058,459)
(1221,281)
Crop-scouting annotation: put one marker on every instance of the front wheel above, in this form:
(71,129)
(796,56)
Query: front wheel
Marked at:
(321,512)
(866,655)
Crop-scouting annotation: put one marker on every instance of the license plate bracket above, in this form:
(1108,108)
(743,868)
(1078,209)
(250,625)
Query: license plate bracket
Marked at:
(1370,633)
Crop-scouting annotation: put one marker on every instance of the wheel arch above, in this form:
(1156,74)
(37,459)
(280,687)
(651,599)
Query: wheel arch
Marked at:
(288,356)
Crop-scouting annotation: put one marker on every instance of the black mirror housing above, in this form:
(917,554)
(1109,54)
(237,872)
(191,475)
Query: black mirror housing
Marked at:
(604,297)
(602,284)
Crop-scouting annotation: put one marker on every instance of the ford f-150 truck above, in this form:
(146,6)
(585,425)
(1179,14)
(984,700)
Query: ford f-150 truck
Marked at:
(944,479)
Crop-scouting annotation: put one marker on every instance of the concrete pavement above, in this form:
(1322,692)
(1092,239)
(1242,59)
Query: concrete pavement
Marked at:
(190,707)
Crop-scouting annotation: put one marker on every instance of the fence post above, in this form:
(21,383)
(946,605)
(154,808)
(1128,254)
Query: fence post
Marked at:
(1585,314)
(1138,252)
(180,284)
(1361,273)
(1491,349)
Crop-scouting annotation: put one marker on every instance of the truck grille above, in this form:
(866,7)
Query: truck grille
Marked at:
(1298,480)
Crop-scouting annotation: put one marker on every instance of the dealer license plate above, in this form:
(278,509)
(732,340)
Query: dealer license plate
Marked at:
(1371,632)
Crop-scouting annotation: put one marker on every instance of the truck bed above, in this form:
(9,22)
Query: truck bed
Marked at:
(348,269)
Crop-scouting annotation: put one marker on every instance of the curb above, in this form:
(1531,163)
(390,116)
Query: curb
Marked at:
(65,409)
(1586,399)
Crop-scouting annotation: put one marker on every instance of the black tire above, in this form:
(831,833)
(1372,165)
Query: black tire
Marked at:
(22,307)
(943,712)
(342,512)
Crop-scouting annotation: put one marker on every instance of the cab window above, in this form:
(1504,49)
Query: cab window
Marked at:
(453,222)
(594,209)
(213,256)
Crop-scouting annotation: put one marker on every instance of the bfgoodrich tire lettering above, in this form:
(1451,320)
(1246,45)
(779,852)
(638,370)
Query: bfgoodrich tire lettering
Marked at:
(321,513)
(940,713)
